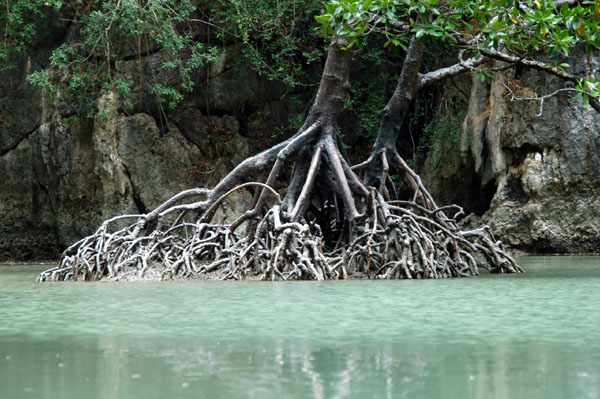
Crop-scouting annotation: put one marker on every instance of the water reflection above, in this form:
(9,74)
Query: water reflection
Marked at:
(530,336)
(116,368)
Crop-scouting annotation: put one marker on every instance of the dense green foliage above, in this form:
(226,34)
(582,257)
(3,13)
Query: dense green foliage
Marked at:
(100,32)
(520,26)
(523,29)
(277,38)
(18,27)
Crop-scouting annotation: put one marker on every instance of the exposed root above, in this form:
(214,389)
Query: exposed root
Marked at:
(278,251)
(395,242)
(330,224)
(343,231)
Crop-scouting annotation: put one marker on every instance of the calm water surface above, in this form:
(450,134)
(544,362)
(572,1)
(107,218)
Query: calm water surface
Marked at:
(528,336)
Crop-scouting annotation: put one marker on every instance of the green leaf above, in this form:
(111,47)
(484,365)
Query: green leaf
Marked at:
(322,19)
(585,100)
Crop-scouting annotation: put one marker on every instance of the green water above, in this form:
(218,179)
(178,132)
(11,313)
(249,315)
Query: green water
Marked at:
(528,336)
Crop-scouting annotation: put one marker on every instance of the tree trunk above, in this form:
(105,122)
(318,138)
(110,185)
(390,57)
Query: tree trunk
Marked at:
(329,225)
(384,149)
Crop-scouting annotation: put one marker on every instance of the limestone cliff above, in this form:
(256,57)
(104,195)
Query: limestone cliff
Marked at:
(531,171)
(61,176)
(536,164)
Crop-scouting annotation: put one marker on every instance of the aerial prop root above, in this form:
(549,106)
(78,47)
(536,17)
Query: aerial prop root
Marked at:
(392,239)
(411,245)
(396,242)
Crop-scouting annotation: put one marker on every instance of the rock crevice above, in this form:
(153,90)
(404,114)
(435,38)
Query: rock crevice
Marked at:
(545,165)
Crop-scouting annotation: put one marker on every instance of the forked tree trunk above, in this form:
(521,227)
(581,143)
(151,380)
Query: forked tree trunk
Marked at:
(384,154)
(329,225)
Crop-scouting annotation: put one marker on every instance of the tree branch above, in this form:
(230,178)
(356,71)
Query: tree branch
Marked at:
(448,72)
(540,66)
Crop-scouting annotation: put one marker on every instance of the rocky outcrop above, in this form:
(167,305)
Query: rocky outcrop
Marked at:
(542,158)
(61,176)
(529,171)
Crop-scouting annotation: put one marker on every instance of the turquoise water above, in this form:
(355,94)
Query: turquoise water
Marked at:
(521,336)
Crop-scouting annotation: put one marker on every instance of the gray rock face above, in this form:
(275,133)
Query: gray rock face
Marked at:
(544,160)
(157,165)
(223,88)
(60,177)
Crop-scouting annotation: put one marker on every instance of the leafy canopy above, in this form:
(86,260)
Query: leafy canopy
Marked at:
(525,29)
(276,37)
(520,27)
